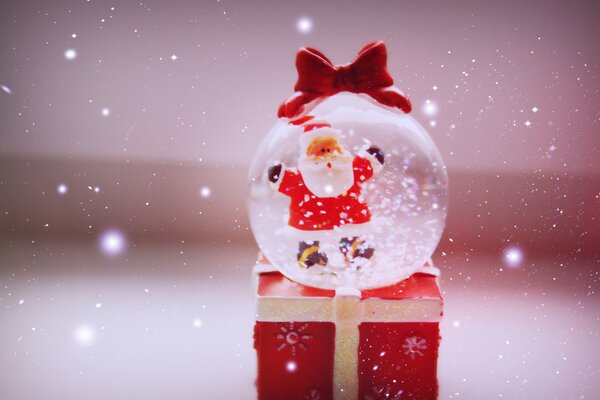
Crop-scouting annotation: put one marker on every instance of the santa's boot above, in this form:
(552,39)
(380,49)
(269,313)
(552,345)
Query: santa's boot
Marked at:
(355,248)
(308,254)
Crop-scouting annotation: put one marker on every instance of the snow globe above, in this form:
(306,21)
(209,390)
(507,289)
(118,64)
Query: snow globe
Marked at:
(347,189)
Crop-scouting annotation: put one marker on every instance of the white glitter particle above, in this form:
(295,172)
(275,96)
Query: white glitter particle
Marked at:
(98,305)
(70,54)
(205,192)
(105,112)
(6,89)
(74,35)
(174,57)
(535,109)
(21,302)
(304,25)
(62,189)
(197,323)
(112,242)
(528,123)
(456,323)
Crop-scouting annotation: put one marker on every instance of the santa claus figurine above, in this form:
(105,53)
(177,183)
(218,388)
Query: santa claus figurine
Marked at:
(325,194)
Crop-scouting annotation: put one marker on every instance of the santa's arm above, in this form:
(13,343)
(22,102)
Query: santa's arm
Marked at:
(282,179)
(368,162)
(275,175)
(376,157)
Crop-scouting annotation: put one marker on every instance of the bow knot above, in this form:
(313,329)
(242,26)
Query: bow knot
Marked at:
(318,79)
(344,78)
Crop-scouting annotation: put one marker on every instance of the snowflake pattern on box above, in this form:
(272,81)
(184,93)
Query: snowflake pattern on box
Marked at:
(293,337)
(313,394)
(413,346)
(383,393)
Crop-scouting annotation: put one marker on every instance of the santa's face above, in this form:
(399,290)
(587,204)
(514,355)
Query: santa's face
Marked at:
(326,169)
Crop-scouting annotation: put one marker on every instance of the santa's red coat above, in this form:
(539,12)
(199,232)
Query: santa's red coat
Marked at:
(310,213)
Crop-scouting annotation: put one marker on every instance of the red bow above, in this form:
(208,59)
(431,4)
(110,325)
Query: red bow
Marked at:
(318,79)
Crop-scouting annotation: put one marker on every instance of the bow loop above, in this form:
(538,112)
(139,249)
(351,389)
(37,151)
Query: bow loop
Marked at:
(315,71)
(318,79)
(370,67)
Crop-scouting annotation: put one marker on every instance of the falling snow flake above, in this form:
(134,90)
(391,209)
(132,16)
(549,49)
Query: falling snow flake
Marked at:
(70,54)
(112,242)
(205,192)
(513,256)
(304,25)
(383,393)
(84,335)
(62,189)
(291,366)
(430,108)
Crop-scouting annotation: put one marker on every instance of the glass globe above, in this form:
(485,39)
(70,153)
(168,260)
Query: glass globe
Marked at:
(406,199)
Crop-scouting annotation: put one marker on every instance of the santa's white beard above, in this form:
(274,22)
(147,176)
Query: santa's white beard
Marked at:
(325,181)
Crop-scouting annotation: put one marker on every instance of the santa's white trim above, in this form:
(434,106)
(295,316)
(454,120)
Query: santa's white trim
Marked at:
(275,185)
(375,164)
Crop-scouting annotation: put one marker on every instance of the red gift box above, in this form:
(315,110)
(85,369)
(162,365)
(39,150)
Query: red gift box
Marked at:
(316,344)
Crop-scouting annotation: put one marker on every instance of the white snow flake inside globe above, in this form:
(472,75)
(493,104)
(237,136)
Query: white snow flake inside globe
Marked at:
(355,197)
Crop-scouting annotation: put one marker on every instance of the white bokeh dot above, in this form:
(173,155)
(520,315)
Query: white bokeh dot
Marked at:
(105,112)
(84,335)
(205,192)
(430,108)
(112,242)
(304,25)
(513,256)
(62,189)
(291,366)
(70,54)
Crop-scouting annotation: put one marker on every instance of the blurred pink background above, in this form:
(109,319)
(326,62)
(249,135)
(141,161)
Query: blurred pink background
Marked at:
(142,118)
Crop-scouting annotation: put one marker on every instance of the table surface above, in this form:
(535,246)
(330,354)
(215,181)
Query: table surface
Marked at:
(174,320)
